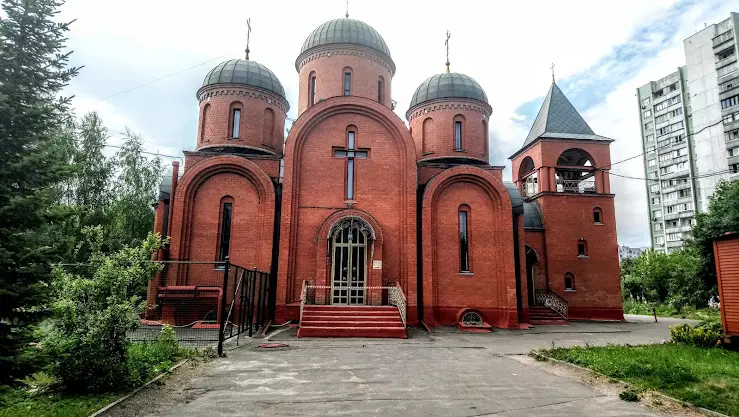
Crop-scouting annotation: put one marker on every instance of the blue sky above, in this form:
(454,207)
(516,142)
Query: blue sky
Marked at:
(603,51)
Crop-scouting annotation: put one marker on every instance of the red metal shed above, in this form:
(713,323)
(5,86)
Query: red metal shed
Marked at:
(726,253)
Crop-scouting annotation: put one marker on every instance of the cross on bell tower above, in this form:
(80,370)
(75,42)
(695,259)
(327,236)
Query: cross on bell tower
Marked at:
(446,42)
(351,153)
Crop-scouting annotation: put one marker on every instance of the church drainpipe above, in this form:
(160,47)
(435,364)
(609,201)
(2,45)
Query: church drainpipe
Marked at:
(272,296)
(419,250)
(517,263)
(175,175)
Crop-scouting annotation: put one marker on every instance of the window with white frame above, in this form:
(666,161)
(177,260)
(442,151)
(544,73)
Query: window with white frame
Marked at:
(654,188)
(652,162)
(647,113)
(660,240)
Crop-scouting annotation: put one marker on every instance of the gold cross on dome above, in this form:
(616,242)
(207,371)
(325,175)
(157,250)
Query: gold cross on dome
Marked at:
(446,42)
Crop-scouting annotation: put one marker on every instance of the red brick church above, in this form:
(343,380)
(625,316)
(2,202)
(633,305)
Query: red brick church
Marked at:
(356,201)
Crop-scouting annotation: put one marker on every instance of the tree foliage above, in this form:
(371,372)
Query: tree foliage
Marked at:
(33,70)
(722,217)
(93,310)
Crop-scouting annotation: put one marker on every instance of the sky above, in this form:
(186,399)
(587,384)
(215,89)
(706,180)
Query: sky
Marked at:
(144,61)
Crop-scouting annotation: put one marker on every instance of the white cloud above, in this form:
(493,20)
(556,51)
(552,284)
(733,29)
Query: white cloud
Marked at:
(507,47)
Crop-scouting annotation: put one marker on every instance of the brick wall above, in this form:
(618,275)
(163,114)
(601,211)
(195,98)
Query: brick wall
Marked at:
(329,65)
(262,121)
(491,288)
(314,190)
(433,132)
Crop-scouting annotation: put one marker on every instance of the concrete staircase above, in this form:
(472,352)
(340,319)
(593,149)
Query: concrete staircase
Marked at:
(351,321)
(544,316)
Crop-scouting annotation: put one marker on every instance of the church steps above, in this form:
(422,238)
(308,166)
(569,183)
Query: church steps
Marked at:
(351,321)
(545,316)
(385,332)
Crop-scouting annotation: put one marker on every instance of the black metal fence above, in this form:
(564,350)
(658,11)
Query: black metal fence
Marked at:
(245,308)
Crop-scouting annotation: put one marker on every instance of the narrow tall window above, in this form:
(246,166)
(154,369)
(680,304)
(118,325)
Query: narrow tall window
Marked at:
(457,136)
(235,123)
(312,90)
(582,248)
(597,216)
(347,83)
(569,281)
(379,90)
(225,243)
(464,247)
(350,153)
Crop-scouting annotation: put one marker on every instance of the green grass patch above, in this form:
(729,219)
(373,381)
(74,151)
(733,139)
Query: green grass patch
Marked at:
(663,310)
(16,402)
(706,377)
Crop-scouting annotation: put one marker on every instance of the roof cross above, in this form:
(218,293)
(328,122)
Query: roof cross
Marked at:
(552,67)
(446,42)
(248,33)
(347,9)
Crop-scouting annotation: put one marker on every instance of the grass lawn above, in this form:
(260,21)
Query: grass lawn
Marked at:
(20,402)
(707,377)
(703,314)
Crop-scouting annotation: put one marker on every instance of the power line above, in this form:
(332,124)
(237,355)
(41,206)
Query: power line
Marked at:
(147,152)
(161,78)
(687,135)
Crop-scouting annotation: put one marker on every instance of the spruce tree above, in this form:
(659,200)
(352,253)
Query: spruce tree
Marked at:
(33,71)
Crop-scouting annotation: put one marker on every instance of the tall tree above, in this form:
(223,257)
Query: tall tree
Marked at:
(33,70)
(132,214)
(94,169)
(722,217)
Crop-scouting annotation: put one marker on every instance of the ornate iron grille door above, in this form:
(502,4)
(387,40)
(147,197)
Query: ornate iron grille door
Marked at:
(349,265)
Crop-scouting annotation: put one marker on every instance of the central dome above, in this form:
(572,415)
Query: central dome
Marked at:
(345,30)
(448,85)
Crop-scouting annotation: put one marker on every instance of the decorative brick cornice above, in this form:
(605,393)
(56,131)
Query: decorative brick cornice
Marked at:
(217,90)
(330,50)
(448,104)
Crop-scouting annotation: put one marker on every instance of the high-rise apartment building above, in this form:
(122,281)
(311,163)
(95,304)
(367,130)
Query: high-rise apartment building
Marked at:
(690,132)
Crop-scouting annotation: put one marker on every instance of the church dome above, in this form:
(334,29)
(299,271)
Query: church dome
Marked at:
(448,85)
(346,30)
(244,72)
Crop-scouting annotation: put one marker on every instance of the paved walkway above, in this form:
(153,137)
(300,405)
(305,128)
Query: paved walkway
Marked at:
(446,373)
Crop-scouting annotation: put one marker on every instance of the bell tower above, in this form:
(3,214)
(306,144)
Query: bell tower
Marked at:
(563,168)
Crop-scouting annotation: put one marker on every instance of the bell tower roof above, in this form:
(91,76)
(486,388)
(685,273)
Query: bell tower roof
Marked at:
(558,119)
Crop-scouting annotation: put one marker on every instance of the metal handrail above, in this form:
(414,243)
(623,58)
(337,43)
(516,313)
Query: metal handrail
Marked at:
(552,301)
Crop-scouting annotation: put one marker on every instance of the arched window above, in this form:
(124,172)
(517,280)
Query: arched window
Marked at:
(575,172)
(312,88)
(224,229)
(380,90)
(569,281)
(485,144)
(203,121)
(426,128)
(528,177)
(268,127)
(597,216)
(464,239)
(458,132)
(347,81)
(235,121)
(582,248)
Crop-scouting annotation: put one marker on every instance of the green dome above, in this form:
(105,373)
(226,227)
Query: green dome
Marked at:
(345,30)
(448,85)
(240,71)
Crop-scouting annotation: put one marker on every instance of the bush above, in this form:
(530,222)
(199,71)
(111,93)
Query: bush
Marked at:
(707,334)
(629,395)
(146,360)
(86,342)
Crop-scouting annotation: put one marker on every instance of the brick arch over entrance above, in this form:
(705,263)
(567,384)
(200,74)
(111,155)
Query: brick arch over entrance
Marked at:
(323,256)
(313,180)
(489,286)
(207,182)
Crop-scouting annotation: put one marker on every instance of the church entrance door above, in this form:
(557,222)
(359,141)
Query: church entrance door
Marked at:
(349,263)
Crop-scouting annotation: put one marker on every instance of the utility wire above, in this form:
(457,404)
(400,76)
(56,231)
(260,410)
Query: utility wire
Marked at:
(687,135)
(162,78)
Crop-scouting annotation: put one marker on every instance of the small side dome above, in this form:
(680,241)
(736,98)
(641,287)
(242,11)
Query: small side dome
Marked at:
(447,85)
(243,72)
(344,30)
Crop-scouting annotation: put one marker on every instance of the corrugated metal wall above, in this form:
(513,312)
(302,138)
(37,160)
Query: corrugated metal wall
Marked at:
(726,252)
